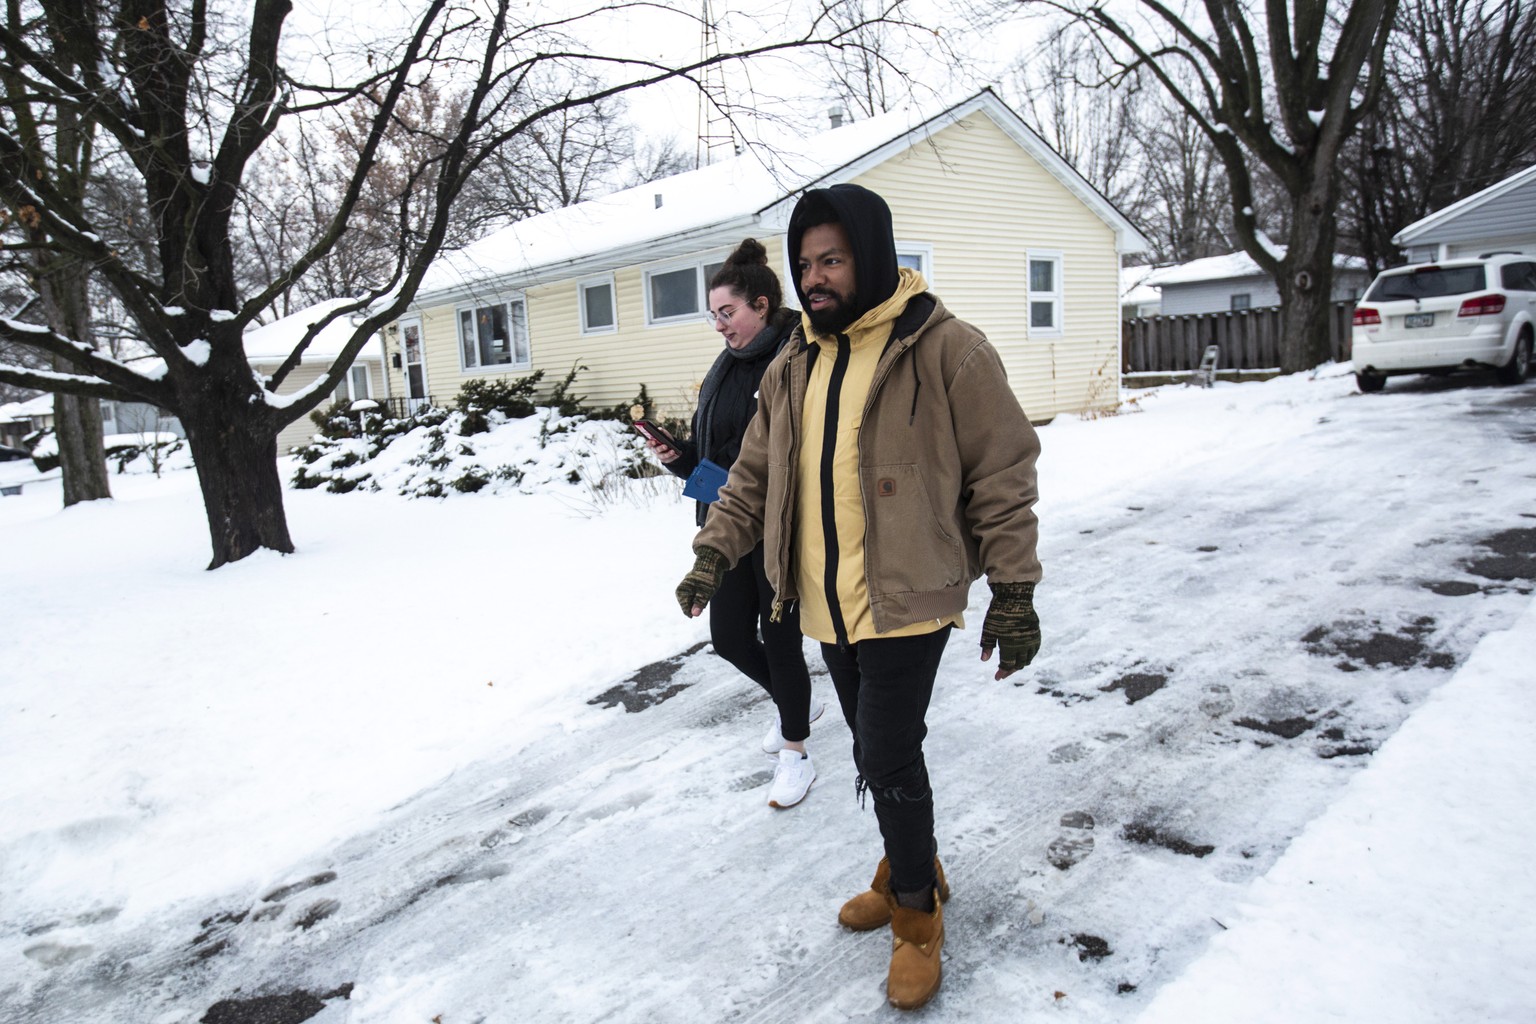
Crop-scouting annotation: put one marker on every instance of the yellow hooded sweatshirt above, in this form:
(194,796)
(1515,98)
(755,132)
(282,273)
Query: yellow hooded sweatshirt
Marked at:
(835,399)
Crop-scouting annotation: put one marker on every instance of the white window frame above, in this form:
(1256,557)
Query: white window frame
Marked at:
(698,263)
(1232,304)
(349,384)
(1057,295)
(518,299)
(605,280)
(924,253)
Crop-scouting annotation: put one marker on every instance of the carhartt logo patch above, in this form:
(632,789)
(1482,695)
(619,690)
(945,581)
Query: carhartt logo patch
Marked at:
(885,487)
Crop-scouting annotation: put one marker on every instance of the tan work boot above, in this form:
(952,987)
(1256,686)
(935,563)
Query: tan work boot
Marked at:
(868,910)
(917,939)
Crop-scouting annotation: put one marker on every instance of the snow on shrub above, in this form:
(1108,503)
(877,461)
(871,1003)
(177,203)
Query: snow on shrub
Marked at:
(431,456)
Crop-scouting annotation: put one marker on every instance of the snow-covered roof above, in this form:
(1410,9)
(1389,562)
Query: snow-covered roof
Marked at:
(1232,265)
(42,405)
(713,205)
(1134,289)
(271,343)
(1419,228)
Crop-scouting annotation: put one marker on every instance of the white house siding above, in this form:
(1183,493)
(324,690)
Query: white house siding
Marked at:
(983,203)
(1524,242)
(1503,222)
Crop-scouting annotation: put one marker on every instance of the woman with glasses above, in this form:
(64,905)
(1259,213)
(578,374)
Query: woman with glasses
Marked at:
(746,305)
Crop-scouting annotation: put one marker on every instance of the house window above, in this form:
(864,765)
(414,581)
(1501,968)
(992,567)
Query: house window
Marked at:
(1243,300)
(1044,298)
(677,293)
(354,385)
(918,256)
(599,314)
(492,336)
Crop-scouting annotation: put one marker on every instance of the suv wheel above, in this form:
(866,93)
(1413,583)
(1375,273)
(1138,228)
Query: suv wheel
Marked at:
(1368,382)
(1514,371)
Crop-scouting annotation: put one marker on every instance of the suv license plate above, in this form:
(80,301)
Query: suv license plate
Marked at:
(1419,320)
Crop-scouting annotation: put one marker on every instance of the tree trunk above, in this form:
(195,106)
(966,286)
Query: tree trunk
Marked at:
(242,491)
(82,455)
(64,286)
(1306,281)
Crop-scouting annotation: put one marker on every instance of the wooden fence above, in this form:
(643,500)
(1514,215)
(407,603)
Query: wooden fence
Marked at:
(1249,339)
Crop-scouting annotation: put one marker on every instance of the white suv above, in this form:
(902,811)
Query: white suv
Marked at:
(1438,317)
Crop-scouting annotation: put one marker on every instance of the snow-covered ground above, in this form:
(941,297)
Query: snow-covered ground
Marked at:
(463,760)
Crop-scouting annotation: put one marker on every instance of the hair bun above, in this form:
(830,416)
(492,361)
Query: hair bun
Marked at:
(749,253)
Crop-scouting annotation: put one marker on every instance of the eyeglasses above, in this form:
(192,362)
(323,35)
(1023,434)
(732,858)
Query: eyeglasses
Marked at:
(723,317)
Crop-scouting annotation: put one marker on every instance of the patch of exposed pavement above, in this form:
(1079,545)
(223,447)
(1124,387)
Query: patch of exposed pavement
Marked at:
(648,687)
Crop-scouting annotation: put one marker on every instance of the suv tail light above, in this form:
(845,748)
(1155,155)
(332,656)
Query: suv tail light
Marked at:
(1366,315)
(1483,304)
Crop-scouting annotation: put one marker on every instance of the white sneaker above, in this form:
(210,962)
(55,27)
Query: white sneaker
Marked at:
(791,779)
(773,739)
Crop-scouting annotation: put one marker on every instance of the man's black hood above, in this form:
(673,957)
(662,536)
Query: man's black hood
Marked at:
(867,220)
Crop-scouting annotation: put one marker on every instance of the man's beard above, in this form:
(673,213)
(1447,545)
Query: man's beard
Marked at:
(835,318)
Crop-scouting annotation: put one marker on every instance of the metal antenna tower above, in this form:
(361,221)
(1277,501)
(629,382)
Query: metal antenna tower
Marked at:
(715,131)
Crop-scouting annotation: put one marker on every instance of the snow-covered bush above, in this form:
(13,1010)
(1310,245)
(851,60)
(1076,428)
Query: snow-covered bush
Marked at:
(151,454)
(479,399)
(125,453)
(434,458)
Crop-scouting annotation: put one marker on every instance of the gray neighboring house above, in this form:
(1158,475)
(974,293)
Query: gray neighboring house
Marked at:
(137,419)
(121,422)
(1500,218)
(1220,284)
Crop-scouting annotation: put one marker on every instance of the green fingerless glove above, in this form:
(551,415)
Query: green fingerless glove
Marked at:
(1012,625)
(702,581)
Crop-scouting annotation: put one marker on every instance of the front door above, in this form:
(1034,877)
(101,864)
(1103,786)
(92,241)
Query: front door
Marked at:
(415,365)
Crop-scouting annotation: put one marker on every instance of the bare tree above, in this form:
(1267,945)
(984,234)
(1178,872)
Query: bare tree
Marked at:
(1276,88)
(575,154)
(864,73)
(654,158)
(67,141)
(1133,144)
(1455,118)
(1185,190)
(1093,124)
(190,101)
(1082,117)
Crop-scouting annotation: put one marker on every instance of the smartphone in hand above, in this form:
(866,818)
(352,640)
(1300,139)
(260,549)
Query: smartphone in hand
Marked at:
(652,432)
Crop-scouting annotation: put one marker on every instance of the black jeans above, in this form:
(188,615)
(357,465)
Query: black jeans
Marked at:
(739,609)
(884,686)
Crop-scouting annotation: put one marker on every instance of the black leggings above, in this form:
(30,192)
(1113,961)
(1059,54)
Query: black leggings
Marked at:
(884,686)
(739,609)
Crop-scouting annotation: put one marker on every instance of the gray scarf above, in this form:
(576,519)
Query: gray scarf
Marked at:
(767,340)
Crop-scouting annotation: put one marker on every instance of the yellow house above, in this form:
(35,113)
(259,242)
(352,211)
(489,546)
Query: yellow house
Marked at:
(1010,237)
(268,345)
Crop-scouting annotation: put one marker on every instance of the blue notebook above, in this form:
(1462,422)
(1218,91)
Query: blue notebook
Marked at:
(705,481)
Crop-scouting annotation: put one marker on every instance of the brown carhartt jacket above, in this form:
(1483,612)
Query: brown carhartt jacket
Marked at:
(946,472)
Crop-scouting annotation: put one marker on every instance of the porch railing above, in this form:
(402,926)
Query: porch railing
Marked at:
(400,407)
